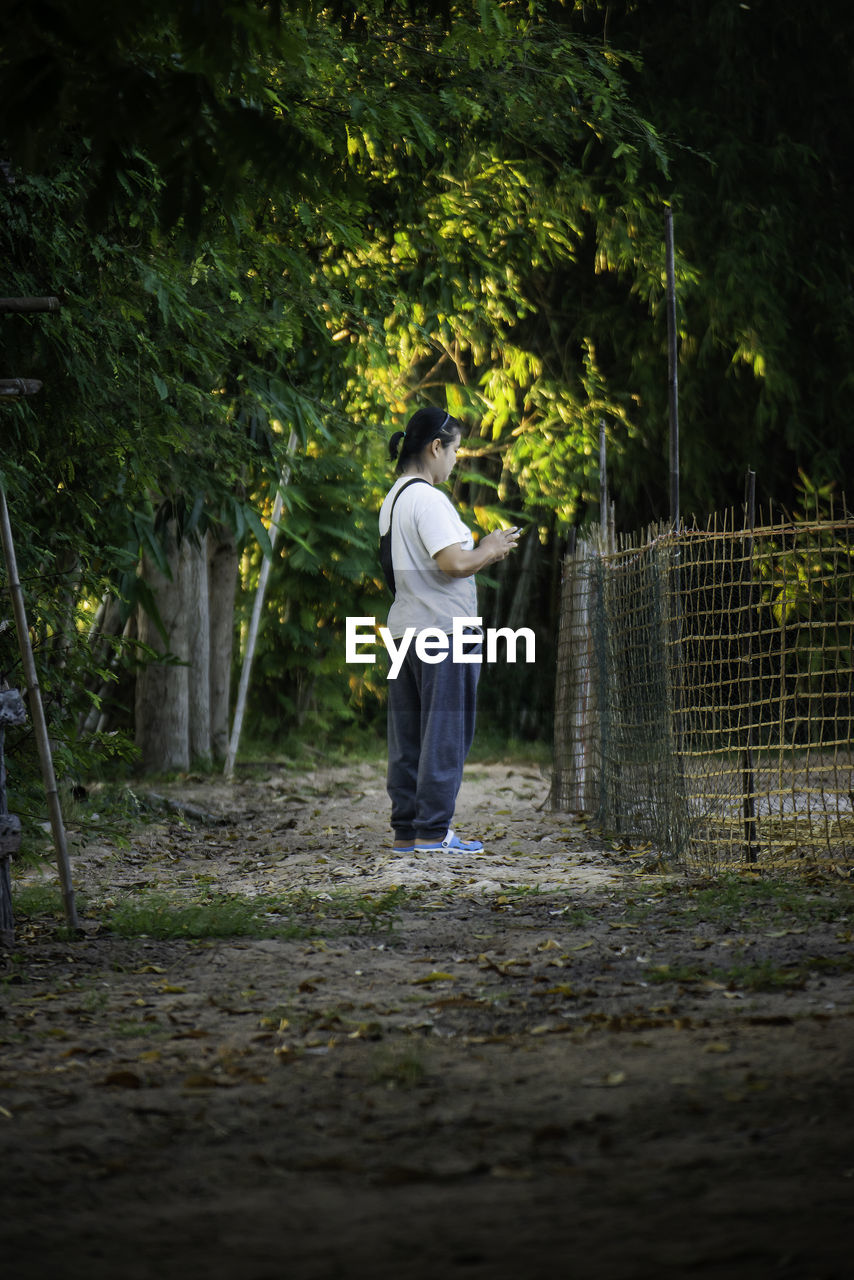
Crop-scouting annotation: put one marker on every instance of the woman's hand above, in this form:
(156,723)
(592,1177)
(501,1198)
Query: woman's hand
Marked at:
(457,562)
(500,543)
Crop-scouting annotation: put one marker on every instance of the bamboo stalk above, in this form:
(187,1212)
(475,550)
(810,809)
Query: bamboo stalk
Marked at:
(748,772)
(672,361)
(29,304)
(603,476)
(37,712)
(14,388)
(255,621)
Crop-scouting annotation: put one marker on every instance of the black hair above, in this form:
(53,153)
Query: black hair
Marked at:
(425,426)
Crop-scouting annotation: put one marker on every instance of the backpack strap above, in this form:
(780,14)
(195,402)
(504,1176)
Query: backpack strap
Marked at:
(385,539)
(414,480)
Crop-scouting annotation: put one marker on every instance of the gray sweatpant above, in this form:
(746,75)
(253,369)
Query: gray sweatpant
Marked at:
(431,715)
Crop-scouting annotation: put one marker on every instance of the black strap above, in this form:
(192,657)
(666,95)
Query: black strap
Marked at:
(385,538)
(414,480)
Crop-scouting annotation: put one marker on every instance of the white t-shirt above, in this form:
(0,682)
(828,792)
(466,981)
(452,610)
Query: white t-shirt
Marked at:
(424,522)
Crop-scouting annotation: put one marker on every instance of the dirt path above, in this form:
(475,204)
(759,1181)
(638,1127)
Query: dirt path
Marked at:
(534,1063)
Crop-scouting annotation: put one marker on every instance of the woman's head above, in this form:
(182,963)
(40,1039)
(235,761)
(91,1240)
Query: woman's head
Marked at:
(415,446)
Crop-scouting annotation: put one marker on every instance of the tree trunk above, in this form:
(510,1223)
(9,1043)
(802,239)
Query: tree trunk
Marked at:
(223,564)
(194,584)
(162,702)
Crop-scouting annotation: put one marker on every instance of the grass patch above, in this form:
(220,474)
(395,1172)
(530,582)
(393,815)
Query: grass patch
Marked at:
(131,1028)
(221,915)
(738,900)
(158,916)
(491,747)
(37,901)
(764,975)
(299,915)
(399,1068)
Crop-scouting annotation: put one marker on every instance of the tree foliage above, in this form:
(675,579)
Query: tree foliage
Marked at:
(277,217)
(241,218)
(753,100)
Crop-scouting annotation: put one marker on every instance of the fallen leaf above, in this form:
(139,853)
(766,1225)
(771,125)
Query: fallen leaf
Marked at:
(503,967)
(367,1031)
(610,1081)
(122,1080)
(201,1080)
(436,976)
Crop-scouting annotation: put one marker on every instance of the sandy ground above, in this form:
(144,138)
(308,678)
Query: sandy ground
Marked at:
(530,1064)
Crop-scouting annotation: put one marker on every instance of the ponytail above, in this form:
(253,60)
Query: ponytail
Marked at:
(394,444)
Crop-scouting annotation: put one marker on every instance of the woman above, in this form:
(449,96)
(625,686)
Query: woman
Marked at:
(431,705)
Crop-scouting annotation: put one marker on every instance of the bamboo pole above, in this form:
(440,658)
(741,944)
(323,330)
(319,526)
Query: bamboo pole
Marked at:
(603,475)
(746,682)
(673,376)
(14,388)
(29,304)
(255,621)
(37,712)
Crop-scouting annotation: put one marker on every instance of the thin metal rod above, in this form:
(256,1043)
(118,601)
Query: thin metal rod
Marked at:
(673,375)
(54,809)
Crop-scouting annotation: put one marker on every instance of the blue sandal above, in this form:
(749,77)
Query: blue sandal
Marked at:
(451,844)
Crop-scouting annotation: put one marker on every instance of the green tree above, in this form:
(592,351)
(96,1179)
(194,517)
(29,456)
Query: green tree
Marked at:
(292,223)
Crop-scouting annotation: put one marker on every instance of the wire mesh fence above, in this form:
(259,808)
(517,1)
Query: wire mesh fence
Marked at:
(704,697)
